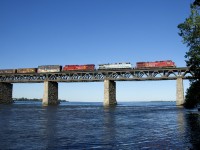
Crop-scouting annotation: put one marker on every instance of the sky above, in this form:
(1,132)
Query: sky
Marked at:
(64,32)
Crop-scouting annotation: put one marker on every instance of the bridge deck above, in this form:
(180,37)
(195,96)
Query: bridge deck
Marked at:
(101,75)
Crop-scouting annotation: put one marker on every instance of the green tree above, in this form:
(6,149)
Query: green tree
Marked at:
(192,97)
(190,32)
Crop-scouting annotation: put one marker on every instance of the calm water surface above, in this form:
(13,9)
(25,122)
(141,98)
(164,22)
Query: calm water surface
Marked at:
(136,125)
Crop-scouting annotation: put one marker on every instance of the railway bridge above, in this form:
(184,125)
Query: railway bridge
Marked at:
(109,77)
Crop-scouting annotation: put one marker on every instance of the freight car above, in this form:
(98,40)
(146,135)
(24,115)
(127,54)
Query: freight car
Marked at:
(27,70)
(49,68)
(115,66)
(156,64)
(88,67)
(7,71)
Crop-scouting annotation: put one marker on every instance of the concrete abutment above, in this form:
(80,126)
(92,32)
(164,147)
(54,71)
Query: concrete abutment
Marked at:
(109,93)
(50,96)
(6,93)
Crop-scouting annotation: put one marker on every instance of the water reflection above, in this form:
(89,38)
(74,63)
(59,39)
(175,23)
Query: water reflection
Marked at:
(193,129)
(6,124)
(181,121)
(109,135)
(48,126)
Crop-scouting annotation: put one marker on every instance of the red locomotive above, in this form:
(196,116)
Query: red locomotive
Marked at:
(156,64)
(88,67)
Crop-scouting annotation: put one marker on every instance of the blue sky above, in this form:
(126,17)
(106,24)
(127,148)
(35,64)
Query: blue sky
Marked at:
(48,32)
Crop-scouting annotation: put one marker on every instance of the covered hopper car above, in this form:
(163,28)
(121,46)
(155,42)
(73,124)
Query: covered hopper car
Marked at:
(115,66)
(156,64)
(88,67)
(27,70)
(49,68)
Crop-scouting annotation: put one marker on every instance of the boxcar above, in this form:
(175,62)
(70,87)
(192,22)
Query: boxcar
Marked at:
(88,67)
(156,64)
(7,71)
(49,68)
(27,70)
(115,66)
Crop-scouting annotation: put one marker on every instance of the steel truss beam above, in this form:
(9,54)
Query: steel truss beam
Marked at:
(100,75)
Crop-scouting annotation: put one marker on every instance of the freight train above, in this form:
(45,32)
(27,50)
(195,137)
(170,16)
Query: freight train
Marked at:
(90,67)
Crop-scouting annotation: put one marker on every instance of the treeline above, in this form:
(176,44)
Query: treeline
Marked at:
(34,99)
(26,99)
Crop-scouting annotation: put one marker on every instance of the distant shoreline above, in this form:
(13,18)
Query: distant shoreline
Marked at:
(34,99)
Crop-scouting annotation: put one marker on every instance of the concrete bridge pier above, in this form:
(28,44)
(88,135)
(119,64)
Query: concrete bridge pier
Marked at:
(6,93)
(179,92)
(50,96)
(109,93)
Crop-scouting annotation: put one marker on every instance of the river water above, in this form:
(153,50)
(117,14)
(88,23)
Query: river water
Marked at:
(73,125)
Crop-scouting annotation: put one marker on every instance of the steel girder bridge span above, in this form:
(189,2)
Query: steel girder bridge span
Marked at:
(109,77)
